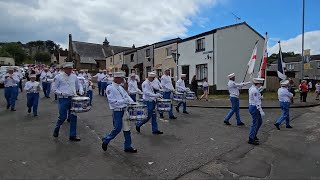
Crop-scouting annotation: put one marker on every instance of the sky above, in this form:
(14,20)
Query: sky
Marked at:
(140,22)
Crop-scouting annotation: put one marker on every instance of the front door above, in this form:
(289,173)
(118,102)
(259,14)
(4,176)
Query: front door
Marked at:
(185,70)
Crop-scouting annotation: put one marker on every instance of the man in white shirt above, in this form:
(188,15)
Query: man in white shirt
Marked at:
(10,81)
(46,77)
(32,88)
(167,87)
(104,82)
(156,84)
(255,110)
(133,87)
(118,100)
(310,85)
(99,76)
(181,87)
(149,99)
(234,98)
(284,97)
(136,76)
(66,86)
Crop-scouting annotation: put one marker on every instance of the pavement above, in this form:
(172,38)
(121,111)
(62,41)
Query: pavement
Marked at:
(195,146)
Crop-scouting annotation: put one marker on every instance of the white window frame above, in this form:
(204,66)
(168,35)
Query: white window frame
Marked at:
(290,67)
(169,51)
(202,46)
(201,71)
(172,72)
(147,53)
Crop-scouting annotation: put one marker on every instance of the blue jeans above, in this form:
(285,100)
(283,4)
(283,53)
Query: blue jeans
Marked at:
(32,102)
(10,93)
(167,95)
(256,122)
(103,88)
(64,105)
(151,115)
(234,109)
(89,95)
(117,126)
(133,97)
(285,106)
(17,89)
(99,87)
(46,86)
(184,106)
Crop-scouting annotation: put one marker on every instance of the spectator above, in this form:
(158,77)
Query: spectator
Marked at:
(317,90)
(194,86)
(310,85)
(292,87)
(304,91)
(205,89)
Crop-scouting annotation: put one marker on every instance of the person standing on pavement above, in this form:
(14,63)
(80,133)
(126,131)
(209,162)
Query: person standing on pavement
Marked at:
(317,90)
(32,88)
(255,110)
(66,86)
(234,98)
(10,81)
(99,76)
(284,97)
(304,91)
(133,89)
(167,87)
(149,99)
(118,100)
(292,88)
(46,77)
(194,85)
(310,85)
(181,87)
(205,88)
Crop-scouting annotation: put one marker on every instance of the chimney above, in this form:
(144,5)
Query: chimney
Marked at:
(70,49)
(106,42)
(133,46)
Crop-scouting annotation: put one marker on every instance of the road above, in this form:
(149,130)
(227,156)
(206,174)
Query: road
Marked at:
(197,145)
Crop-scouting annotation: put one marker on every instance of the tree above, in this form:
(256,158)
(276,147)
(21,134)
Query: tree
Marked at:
(42,57)
(15,51)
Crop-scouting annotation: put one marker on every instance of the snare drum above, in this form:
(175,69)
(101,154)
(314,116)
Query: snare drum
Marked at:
(190,95)
(80,104)
(177,96)
(164,105)
(137,112)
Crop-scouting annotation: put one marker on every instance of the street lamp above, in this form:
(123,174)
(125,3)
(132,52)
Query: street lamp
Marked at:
(302,50)
(175,57)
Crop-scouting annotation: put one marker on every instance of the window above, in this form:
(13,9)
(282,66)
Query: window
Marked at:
(148,69)
(200,45)
(110,60)
(131,58)
(289,67)
(172,72)
(202,71)
(147,53)
(169,51)
(1,62)
(318,64)
(317,77)
(120,57)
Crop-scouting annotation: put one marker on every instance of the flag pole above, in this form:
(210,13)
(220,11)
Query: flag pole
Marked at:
(249,60)
(264,47)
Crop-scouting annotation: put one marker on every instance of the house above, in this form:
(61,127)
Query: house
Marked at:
(91,56)
(215,54)
(59,57)
(293,67)
(163,56)
(144,61)
(7,61)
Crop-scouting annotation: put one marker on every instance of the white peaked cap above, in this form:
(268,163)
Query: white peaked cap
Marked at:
(231,75)
(152,74)
(183,75)
(258,80)
(32,75)
(67,65)
(119,74)
(284,82)
(166,69)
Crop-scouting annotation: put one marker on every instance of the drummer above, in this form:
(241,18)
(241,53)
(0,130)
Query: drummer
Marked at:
(167,87)
(181,87)
(149,99)
(133,87)
(118,100)
(32,88)
(10,81)
(65,86)
(156,84)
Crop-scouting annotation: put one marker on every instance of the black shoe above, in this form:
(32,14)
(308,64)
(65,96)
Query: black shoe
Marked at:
(8,106)
(227,123)
(177,109)
(158,132)
(277,126)
(138,129)
(253,142)
(104,146)
(172,117)
(29,110)
(241,124)
(35,115)
(131,150)
(13,109)
(74,138)
(289,127)
(55,133)
(185,112)
(256,139)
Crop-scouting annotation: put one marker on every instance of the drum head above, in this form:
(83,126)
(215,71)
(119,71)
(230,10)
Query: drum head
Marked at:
(80,98)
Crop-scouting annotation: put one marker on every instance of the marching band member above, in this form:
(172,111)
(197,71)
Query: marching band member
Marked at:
(19,74)
(317,90)
(133,87)
(149,99)
(234,98)
(99,76)
(156,84)
(57,71)
(89,87)
(118,100)
(11,81)
(167,87)
(110,79)
(284,97)
(87,74)
(46,84)
(32,88)
(137,77)
(181,87)
(255,110)
(65,86)
(81,74)
(104,82)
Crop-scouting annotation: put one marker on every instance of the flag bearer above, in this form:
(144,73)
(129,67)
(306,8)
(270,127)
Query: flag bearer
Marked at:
(10,81)
(181,87)
(118,100)
(32,88)
(168,89)
(284,97)
(234,98)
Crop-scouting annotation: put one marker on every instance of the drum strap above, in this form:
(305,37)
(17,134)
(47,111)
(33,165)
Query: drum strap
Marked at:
(119,92)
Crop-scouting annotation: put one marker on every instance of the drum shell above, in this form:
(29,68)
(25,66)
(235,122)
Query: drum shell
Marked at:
(164,105)
(190,96)
(178,97)
(138,112)
(80,104)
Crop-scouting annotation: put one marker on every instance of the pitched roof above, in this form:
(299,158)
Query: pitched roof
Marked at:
(167,42)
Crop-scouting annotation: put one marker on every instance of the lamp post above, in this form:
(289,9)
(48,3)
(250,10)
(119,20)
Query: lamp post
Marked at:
(302,50)
(175,57)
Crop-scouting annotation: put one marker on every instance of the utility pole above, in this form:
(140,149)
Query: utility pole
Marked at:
(302,50)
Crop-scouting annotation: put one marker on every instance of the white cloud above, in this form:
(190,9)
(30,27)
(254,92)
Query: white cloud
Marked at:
(124,22)
(311,41)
